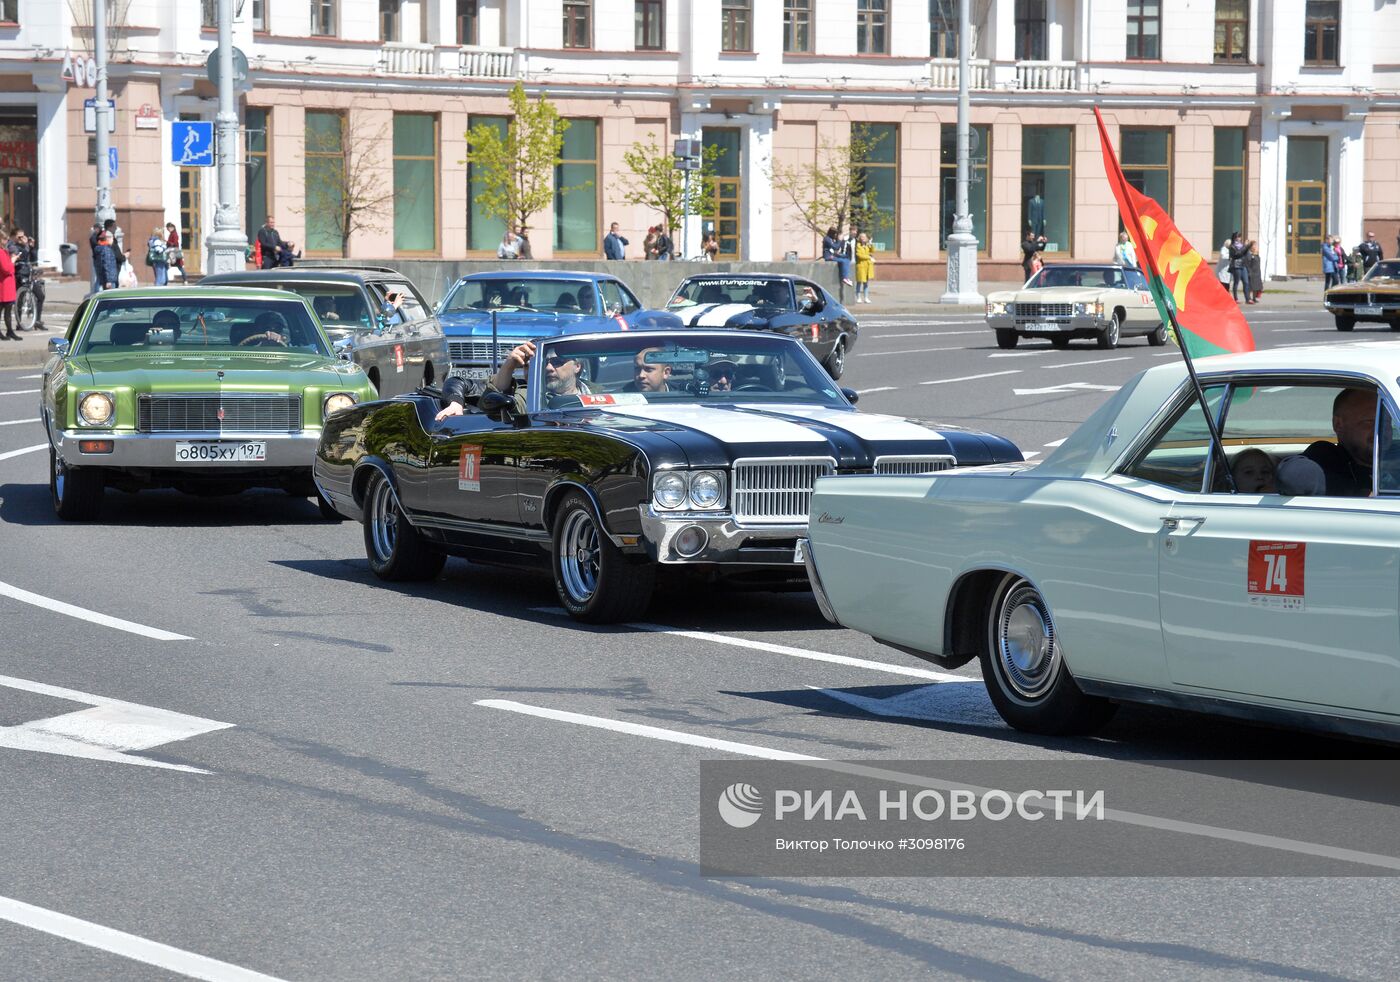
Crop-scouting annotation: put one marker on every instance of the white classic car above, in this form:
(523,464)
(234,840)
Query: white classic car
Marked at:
(1123,567)
(1064,301)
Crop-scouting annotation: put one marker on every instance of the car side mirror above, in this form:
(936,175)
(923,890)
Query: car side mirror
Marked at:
(343,347)
(852,396)
(58,346)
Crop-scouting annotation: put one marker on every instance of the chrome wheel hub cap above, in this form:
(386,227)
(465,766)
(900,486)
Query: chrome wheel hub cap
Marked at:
(1024,644)
(578,556)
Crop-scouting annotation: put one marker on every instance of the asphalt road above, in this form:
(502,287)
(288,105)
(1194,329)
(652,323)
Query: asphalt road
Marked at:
(362,816)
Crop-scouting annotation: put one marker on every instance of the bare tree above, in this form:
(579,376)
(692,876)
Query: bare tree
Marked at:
(833,190)
(348,189)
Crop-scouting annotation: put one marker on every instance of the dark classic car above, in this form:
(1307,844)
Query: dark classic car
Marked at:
(1376,297)
(534,304)
(373,315)
(782,304)
(685,450)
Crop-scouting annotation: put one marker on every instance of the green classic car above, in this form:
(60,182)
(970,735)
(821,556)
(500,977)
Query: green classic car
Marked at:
(206,390)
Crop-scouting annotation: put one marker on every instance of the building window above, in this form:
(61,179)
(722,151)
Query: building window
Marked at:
(977,185)
(650,25)
(1147,164)
(9,11)
(1030,30)
(797,27)
(1144,30)
(1231,30)
(390,23)
(876,184)
(1228,202)
(323,18)
(415,182)
(208,13)
(325,182)
(259,15)
(943,28)
(1320,32)
(576,189)
(872,27)
(256,200)
(736,25)
(483,232)
(1047,184)
(578,23)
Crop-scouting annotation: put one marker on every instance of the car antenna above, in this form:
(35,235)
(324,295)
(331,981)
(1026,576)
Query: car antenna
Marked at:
(495,346)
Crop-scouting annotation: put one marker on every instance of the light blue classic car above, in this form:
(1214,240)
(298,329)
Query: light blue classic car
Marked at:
(530,304)
(1137,564)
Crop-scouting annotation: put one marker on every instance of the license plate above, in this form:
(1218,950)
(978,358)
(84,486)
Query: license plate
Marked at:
(476,374)
(1040,326)
(1369,311)
(799,554)
(214,452)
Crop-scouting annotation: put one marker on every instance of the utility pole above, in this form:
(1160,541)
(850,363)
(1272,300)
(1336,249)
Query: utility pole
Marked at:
(962,244)
(228,242)
(103,141)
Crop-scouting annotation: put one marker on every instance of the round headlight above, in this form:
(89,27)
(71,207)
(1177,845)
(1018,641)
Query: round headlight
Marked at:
(670,490)
(95,409)
(706,490)
(338,401)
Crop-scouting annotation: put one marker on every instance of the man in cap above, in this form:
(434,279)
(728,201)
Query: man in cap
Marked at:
(1371,252)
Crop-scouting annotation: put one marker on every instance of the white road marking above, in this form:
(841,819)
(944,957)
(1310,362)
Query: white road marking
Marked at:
(779,649)
(878,388)
(903,351)
(1021,354)
(83,614)
(17,422)
(130,946)
(971,378)
(108,731)
(1096,361)
(639,729)
(1066,388)
(1028,456)
(25,378)
(20,392)
(1168,354)
(22,451)
(918,334)
(1056,443)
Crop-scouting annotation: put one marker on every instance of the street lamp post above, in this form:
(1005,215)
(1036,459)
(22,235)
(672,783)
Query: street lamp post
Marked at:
(962,244)
(228,241)
(100,111)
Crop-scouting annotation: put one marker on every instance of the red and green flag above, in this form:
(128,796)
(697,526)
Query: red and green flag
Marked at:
(1181,279)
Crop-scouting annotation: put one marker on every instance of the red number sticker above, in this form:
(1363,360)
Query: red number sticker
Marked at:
(398,357)
(597,400)
(1276,574)
(469,468)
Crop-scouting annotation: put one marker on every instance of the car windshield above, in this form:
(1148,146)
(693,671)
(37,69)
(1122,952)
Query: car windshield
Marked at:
(507,293)
(1090,276)
(1389,270)
(123,325)
(631,369)
(756,291)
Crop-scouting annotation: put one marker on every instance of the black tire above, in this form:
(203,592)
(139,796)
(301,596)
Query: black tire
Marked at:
(1060,341)
(1158,337)
(596,583)
(1110,335)
(328,511)
(1007,338)
(835,363)
(1395,325)
(76,491)
(397,551)
(1024,672)
(1346,323)
(26,310)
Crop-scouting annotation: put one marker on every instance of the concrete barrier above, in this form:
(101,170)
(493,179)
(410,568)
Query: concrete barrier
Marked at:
(652,282)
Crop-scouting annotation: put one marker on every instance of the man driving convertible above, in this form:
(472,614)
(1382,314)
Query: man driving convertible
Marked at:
(562,377)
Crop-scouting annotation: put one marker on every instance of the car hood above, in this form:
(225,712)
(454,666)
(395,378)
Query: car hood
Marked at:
(1387,287)
(1052,294)
(154,371)
(722,315)
(717,435)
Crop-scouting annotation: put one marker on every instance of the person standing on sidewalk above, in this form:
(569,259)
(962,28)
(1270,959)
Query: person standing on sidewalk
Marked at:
(1371,252)
(1239,268)
(614,245)
(155,256)
(865,267)
(1329,264)
(832,252)
(7,289)
(26,256)
(174,255)
(1256,273)
(104,260)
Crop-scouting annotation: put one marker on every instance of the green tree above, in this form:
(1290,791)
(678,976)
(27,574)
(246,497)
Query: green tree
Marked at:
(652,181)
(513,172)
(831,190)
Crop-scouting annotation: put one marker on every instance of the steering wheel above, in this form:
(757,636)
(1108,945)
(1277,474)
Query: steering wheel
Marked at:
(751,387)
(268,339)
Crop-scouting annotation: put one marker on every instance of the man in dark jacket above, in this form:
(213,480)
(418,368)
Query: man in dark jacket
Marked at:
(1239,268)
(104,262)
(1347,463)
(664,247)
(614,245)
(271,243)
(1371,252)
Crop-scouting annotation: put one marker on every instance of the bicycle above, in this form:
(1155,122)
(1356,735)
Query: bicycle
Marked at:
(26,302)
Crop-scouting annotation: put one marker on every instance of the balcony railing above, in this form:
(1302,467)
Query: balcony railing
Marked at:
(943,73)
(477,62)
(410,59)
(470,61)
(1047,76)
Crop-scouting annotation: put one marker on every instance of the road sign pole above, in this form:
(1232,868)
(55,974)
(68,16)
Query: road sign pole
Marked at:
(228,242)
(961,252)
(100,111)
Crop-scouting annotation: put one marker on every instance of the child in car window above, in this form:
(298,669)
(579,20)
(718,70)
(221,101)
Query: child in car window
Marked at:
(1253,471)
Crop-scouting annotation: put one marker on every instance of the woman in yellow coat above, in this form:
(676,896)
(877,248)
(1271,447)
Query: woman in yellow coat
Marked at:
(865,267)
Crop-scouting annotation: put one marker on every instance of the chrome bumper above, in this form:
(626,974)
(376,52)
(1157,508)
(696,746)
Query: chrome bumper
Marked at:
(1060,325)
(726,542)
(818,591)
(157,450)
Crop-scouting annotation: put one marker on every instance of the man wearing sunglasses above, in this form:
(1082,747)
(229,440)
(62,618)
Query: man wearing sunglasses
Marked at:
(562,377)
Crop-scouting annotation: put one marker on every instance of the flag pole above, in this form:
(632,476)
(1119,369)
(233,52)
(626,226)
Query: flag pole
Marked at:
(1167,305)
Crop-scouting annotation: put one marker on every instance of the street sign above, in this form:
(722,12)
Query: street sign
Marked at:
(687,163)
(240,67)
(686,148)
(90,116)
(192,143)
(112,162)
(147,117)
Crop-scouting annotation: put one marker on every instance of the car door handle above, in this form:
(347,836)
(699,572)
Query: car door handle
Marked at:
(1173,522)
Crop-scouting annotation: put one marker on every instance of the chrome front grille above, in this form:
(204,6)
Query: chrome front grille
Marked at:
(1043,309)
(777,490)
(477,352)
(914,465)
(215,413)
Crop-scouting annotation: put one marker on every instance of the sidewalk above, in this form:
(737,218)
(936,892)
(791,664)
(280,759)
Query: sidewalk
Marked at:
(894,297)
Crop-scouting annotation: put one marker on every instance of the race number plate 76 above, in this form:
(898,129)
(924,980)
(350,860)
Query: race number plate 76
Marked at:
(214,452)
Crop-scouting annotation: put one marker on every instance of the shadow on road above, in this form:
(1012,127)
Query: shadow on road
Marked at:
(29,504)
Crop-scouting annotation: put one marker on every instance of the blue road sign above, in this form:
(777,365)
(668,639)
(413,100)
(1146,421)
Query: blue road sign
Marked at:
(112,162)
(192,143)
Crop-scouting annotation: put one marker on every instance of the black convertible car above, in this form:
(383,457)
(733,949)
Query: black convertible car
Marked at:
(629,452)
(782,304)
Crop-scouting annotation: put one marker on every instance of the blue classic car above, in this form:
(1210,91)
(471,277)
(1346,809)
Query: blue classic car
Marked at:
(534,304)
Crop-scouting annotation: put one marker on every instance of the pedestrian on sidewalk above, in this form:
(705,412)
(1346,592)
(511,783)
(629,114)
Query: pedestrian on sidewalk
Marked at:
(663,246)
(104,260)
(1329,264)
(7,289)
(614,245)
(1343,267)
(1256,273)
(155,256)
(1239,268)
(25,252)
(1371,252)
(1031,247)
(174,254)
(833,251)
(865,267)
